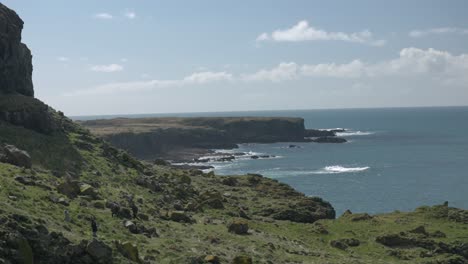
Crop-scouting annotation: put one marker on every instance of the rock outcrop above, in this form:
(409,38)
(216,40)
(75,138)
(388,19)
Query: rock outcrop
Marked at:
(13,155)
(15,57)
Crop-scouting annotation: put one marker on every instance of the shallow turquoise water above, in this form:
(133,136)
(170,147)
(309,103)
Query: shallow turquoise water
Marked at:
(396,159)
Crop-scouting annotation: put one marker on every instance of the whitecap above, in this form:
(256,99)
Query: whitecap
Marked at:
(353,133)
(340,169)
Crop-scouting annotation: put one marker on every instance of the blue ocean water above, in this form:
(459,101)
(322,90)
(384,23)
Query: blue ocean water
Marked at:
(396,158)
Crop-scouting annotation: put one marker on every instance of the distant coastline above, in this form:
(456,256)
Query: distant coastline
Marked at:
(246,112)
(192,139)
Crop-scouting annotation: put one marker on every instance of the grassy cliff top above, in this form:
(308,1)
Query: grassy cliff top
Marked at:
(142,125)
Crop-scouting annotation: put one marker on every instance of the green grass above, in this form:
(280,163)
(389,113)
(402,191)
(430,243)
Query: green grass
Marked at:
(269,240)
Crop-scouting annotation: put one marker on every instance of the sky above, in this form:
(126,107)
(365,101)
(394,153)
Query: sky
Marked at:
(98,57)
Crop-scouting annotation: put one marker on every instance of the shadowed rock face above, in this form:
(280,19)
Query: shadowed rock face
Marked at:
(15,57)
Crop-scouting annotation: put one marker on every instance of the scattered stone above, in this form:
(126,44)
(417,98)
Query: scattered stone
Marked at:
(143,217)
(99,204)
(419,230)
(99,251)
(229,181)
(88,190)
(25,180)
(128,250)
(239,227)
(70,188)
(347,213)
(180,216)
(360,217)
(131,227)
(63,201)
(212,259)
(319,228)
(213,199)
(344,243)
(242,260)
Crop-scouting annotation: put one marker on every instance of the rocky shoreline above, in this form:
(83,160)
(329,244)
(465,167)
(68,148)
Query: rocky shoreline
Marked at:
(184,140)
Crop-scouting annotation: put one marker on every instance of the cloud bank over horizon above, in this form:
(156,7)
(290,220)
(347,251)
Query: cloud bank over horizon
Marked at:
(440,66)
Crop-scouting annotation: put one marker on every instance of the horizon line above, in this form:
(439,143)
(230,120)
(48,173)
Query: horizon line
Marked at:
(76,117)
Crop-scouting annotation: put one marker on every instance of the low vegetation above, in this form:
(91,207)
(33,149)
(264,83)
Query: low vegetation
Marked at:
(186,216)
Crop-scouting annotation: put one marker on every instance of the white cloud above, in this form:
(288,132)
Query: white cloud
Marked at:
(411,62)
(440,67)
(302,31)
(192,79)
(107,68)
(353,69)
(130,14)
(63,59)
(105,16)
(284,71)
(438,31)
(205,77)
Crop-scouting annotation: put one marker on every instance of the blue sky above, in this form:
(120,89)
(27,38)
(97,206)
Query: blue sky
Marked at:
(127,57)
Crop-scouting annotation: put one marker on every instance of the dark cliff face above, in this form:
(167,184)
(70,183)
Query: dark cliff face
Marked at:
(201,133)
(15,57)
(17,103)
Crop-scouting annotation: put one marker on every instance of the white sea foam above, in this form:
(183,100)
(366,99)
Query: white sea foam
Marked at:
(340,169)
(353,133)
(331,129)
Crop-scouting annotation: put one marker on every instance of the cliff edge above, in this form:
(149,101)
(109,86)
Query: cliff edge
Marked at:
(15,57)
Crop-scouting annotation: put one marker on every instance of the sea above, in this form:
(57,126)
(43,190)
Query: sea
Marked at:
(395,158)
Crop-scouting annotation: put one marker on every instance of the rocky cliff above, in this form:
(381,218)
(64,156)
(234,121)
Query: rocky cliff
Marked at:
(149,138)
(15,57)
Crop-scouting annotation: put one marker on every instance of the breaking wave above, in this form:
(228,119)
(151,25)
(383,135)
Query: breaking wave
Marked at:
(353,133)
(340,169)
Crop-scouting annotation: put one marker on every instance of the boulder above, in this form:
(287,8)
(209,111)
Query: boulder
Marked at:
(12,155)
(63,201)
(344,243)
(213,199)
(128,250)
(239,227)
(99,251)
(70,188)
(131,227)
(242,260)
(180,216)
(230,181)
(360,217)
(25,180)
(88,190)
(99,205)
(212,259)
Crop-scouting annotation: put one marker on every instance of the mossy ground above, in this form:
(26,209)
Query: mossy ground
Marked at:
(268,241)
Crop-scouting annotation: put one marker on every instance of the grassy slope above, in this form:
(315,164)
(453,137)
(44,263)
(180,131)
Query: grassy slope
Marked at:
(270,241)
